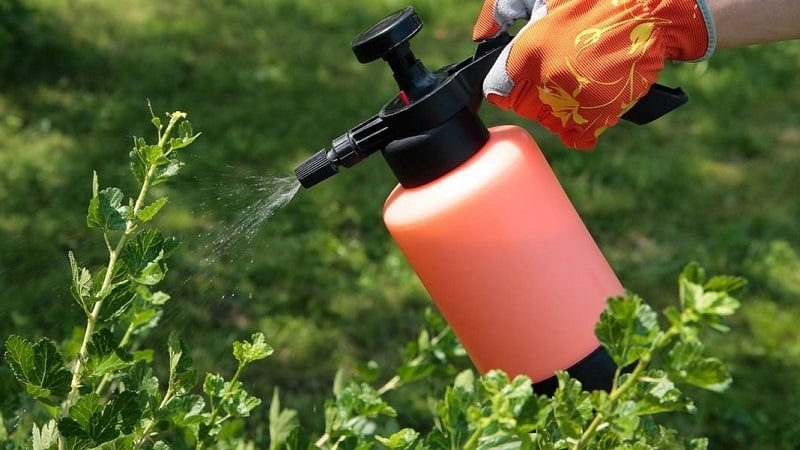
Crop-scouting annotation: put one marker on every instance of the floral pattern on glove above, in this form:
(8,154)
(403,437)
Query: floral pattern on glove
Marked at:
(583,64)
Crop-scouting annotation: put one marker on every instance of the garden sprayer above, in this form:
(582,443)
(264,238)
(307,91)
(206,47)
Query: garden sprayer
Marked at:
(480,215)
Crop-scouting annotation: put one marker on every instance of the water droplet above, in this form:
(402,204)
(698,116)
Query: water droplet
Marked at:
(251,217)
(233,210)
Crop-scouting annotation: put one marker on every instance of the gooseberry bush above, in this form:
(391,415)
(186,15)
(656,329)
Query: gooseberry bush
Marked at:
(105,394)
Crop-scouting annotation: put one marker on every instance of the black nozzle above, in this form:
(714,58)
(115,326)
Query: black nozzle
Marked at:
(346,150)
(315,169)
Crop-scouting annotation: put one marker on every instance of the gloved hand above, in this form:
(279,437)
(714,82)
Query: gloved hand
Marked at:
(578,65)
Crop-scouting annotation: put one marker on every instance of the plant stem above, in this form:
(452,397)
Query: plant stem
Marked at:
(216,409)
(113,256)
(472,442)
(590,431)
(322,440)
(92,318)
(149,428)
(617,393)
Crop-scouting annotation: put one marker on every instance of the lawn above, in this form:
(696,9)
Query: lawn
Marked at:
(270,82)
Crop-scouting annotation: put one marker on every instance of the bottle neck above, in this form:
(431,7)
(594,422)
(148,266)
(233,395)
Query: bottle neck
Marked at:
(432,153)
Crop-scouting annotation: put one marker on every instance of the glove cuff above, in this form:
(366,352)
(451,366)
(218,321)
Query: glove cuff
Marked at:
(705,10)
(692,35)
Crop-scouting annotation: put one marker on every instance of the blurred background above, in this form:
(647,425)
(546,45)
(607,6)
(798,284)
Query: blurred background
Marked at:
(268,83)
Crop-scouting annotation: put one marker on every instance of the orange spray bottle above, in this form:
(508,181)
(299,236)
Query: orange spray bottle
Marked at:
(481,217)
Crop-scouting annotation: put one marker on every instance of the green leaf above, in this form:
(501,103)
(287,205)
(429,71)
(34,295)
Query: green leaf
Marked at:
(505,413)
(298,439)
(151,274)
(247,352)
(572,407)
(107,212)
(145,254)
(105,356)
(148,212)
(117,301)
(364,400)
(353,410)
(146,310)
(452,410)
(39,368)
(213,385)
(687,364)
(118,278)
(124,407)
(282,422)
(46,437)
(508,398)
(153,154)
(185,129)
(166,170)
(116,295)
(237,402)
(142,249)
(157,298)
(697,444)
(182,374)
(120,443)
(139,166)
(415,370)
(144,156)
(185,136)
(70,428)
(693,273)
(233,398)
(83,412)
(404,439)
(186,410)
(90,419)
(628,328)
(102,342)
(149,154)
(656,393)
(624,419)
(145,319)
(139,378)
(81,288)
(706,302)
(725,283)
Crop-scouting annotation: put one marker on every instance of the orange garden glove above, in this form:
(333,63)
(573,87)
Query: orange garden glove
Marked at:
(578,65)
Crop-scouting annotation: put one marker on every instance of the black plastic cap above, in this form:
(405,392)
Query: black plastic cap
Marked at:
(380,39)
(315,169)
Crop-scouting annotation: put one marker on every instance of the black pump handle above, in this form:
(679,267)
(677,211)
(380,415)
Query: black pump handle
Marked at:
(658,101)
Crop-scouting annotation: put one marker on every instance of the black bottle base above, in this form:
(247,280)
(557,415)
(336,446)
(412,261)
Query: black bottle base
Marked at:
(595,372)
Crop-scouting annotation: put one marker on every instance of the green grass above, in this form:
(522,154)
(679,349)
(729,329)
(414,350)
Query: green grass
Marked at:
(268,83)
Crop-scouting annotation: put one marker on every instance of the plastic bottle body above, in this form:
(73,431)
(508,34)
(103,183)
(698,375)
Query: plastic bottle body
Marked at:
(506,258)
